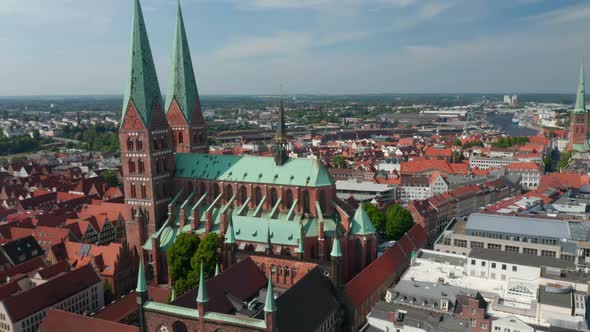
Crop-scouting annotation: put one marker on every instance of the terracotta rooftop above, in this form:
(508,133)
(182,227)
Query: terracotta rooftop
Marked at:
(59,321)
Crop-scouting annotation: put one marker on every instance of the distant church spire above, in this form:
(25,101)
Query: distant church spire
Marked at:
(280,139)
(281,135)
(580,96)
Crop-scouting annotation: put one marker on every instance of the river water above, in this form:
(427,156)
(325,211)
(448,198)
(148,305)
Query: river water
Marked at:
(504,122)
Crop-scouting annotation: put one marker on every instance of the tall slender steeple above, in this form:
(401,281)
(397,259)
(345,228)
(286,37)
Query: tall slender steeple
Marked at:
(270,308)
(280,139)
(143,89)
(281,135)
(579,140)
(143,137)
(202,297)
(580,95)
(183,106)
(142,296)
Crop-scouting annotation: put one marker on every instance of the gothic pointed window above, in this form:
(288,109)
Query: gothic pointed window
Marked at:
(133,191)
(180,138)
(139,144)
(129,144)
(143,191)
(131,166)
(141,166)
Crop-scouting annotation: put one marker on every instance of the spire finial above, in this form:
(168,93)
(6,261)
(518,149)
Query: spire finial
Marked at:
(202,297)
(217,269)
(269,305)
(141,284)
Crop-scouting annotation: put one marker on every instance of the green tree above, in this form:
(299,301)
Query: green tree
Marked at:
(457,142)
(111,178)
(547,163)
(179,259)
(376,215)
(208,254)
(398,222)
(564,159)
(339,161)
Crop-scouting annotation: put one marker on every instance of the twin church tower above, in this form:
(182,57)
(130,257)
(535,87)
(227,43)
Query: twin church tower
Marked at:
(153,130)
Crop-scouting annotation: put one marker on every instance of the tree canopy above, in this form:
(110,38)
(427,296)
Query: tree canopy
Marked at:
(339,161)
(398,222)
(506,142)
(376,215)
(184,259)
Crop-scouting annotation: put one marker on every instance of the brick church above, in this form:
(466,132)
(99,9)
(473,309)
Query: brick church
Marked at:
(579,140)
(282,213)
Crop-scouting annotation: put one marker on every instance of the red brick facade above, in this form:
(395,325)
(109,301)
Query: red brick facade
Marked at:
(188,137)
(578,129)
(146,156)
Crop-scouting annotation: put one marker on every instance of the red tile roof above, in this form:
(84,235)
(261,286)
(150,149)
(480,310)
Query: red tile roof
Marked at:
(369,280)
(242,280)
(433,151)
(25,267)
(24,304)
(520,166)
(59,321)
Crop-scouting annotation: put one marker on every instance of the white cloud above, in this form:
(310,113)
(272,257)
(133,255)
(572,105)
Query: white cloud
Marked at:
(433,9)
(285,44)
(564,15)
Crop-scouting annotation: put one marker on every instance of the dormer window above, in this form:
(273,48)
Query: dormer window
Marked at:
(444,305)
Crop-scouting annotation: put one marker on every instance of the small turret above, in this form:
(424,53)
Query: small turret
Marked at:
(270,308)
(142,296)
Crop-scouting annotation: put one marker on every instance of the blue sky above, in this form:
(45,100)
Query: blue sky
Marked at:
(309,46)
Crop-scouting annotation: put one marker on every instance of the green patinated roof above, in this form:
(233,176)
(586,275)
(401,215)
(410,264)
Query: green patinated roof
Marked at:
(581,147)
(336,250)
(142,87)
(192,313)
(269,304)
(182,85)
(171,309)
(141,284)
(295,172)
(202,297)
(580,95)
(233,319)
(361,223)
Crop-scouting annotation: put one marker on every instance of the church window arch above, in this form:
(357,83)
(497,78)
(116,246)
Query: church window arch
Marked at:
(273,196)
(131,165)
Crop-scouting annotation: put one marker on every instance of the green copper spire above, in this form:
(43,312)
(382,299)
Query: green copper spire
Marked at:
(202,297)
(217,269)
(230,235)
(269,305)
(361,223)
(172,295)
(336,250)
(580,96)
(143,89)
(182,85)
(141,284)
